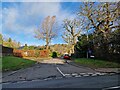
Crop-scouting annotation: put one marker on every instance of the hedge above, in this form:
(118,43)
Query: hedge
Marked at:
(31,53)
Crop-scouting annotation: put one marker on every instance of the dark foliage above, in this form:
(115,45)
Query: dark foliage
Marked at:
(54,54)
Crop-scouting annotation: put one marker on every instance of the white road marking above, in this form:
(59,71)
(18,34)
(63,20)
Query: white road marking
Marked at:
(111,88)
(21,81)
(74,74)
(103,73)
(86,75)
(94,74)
(47,78)
(60,72)
(37,80)
(78,76)
(90,73)
(82,73)
(98,73)
(67,74)
(112,73)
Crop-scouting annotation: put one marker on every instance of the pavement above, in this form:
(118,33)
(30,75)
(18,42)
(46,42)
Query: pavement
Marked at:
(52,69)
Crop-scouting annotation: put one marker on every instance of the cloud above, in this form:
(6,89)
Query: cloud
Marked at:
(25,17)
(43,9)
(31,13)
(9,18)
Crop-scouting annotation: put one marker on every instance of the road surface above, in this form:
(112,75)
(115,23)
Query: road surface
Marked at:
(51,74)
(45,70)
(71,82)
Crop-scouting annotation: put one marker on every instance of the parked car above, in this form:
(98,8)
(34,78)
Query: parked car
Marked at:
(66,56)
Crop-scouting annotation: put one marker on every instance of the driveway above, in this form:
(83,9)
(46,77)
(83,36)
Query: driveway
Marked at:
(53,68)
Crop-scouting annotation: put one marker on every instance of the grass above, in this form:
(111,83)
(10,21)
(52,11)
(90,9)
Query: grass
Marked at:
(96,63)
(10,63)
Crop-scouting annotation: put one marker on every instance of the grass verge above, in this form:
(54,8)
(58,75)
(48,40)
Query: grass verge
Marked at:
(10,63)
(93,63)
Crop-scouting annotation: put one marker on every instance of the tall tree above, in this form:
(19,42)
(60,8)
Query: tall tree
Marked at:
(47,31)
(84,48)
(18,44)
(102,18)
(25,47)
(9,42)
(72,31)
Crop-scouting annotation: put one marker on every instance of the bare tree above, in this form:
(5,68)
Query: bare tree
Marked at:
(47,31)
(72,31)
(102,18)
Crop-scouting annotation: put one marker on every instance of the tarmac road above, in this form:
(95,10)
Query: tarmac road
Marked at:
(73,82)
(58,75)
(45,70)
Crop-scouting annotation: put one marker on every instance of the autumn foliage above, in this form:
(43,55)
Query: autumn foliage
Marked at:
(31,53)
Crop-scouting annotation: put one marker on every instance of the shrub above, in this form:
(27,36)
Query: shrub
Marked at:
(54,54)
(37,53)
(31,53)
(44,53)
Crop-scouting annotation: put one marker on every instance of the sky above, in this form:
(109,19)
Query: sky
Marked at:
(20,19)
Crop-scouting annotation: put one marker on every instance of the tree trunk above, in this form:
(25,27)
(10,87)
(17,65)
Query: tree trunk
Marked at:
(47,43)
(72,48)
(47,47)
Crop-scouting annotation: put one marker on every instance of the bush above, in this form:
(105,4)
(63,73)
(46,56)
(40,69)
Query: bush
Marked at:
(37,53)
(31,53)
(54,54)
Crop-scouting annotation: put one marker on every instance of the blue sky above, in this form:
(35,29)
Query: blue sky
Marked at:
(20,19)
